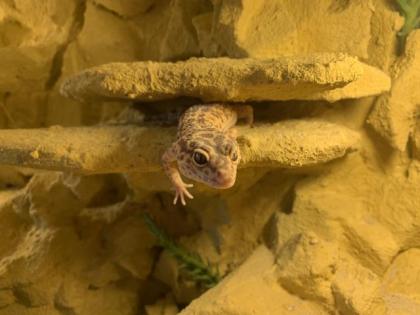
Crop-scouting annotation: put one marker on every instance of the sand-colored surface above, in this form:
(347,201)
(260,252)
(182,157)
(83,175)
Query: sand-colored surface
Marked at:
(395,114)
(324,217)
(328,77)
(124,149)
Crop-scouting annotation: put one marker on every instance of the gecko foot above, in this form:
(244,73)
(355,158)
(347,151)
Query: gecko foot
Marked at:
(181,191)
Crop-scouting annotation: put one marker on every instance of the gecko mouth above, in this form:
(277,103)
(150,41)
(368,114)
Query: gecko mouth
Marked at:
(224,183)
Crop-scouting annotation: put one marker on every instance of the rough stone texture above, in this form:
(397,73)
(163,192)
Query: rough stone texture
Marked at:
(40,272)
(32,36)
(251,289)
(394,115)
(29,37)
(362,245)
(291,27)
(126,8)
(416,141)
(114,149)
(400,286)
(315,77)
(342,236)
(383,43)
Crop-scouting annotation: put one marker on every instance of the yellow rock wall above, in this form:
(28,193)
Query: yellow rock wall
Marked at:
(336,238)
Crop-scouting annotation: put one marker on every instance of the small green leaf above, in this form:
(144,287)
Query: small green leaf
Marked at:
(410,9)
(403,5)
(191,263)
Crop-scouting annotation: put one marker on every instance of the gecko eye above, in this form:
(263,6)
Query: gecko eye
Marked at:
(200,157)
(234,156)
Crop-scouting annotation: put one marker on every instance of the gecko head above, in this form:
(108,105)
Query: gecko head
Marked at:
(211,159)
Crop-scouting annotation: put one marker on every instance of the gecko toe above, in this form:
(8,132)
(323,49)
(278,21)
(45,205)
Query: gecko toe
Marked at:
(188,194)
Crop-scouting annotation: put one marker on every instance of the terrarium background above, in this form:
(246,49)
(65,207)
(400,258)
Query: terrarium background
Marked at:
(341,237)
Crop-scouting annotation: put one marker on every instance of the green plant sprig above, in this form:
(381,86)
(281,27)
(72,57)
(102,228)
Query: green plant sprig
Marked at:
(192,263)
(411,12)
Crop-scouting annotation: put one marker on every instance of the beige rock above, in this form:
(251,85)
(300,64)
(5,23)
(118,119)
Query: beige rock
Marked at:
(168,271)
(129,242)
(272,28)
(385,24)
(203,25)
(93,46)
(162,307)
(308,137)
(165,31)
(306,265)
(314,77)
(6,298)
(30,36)
(219,239)
(33,66)
(374,250)
(33,36)
(51,264)
(416,141)
(89,45)
(180,39)
(400,290)
(355,289)
(251,289)
(74,296)
(161,310)
(90,190)
(126,8)
(23,310)
(76,245)
(368,224)
(113,149)
(394,114)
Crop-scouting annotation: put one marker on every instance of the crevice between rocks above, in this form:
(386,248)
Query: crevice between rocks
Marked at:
(75,28)
(107,10)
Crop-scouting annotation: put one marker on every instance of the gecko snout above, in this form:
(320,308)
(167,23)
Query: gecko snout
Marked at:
(225,179)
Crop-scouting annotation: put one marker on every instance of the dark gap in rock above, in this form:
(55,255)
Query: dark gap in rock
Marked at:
(107,10)
(113,191)
(288,201)
(57,62)
(269,232)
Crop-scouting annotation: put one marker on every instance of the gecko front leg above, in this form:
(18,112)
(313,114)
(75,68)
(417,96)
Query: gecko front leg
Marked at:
(168,163)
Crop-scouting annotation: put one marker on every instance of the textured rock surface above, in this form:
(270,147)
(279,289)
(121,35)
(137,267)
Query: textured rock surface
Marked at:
(394,116)
(55,258)
(400,287)
(292,28)
(251,289)
(116,149)
(341,237)
(324,76)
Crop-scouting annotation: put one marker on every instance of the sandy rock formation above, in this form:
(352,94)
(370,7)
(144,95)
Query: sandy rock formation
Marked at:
(50,265)
(124,149)
(313,77)
(264,28)
(295,235)
(126,8)
(251,289)
(394,115)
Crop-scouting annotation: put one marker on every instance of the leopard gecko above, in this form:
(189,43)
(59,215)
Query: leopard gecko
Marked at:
(205,149)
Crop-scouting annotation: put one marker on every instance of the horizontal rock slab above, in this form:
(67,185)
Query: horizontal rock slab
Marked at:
(316,77)
(129,148)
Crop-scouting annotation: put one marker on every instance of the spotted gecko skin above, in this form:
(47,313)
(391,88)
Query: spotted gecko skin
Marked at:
(205,135)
